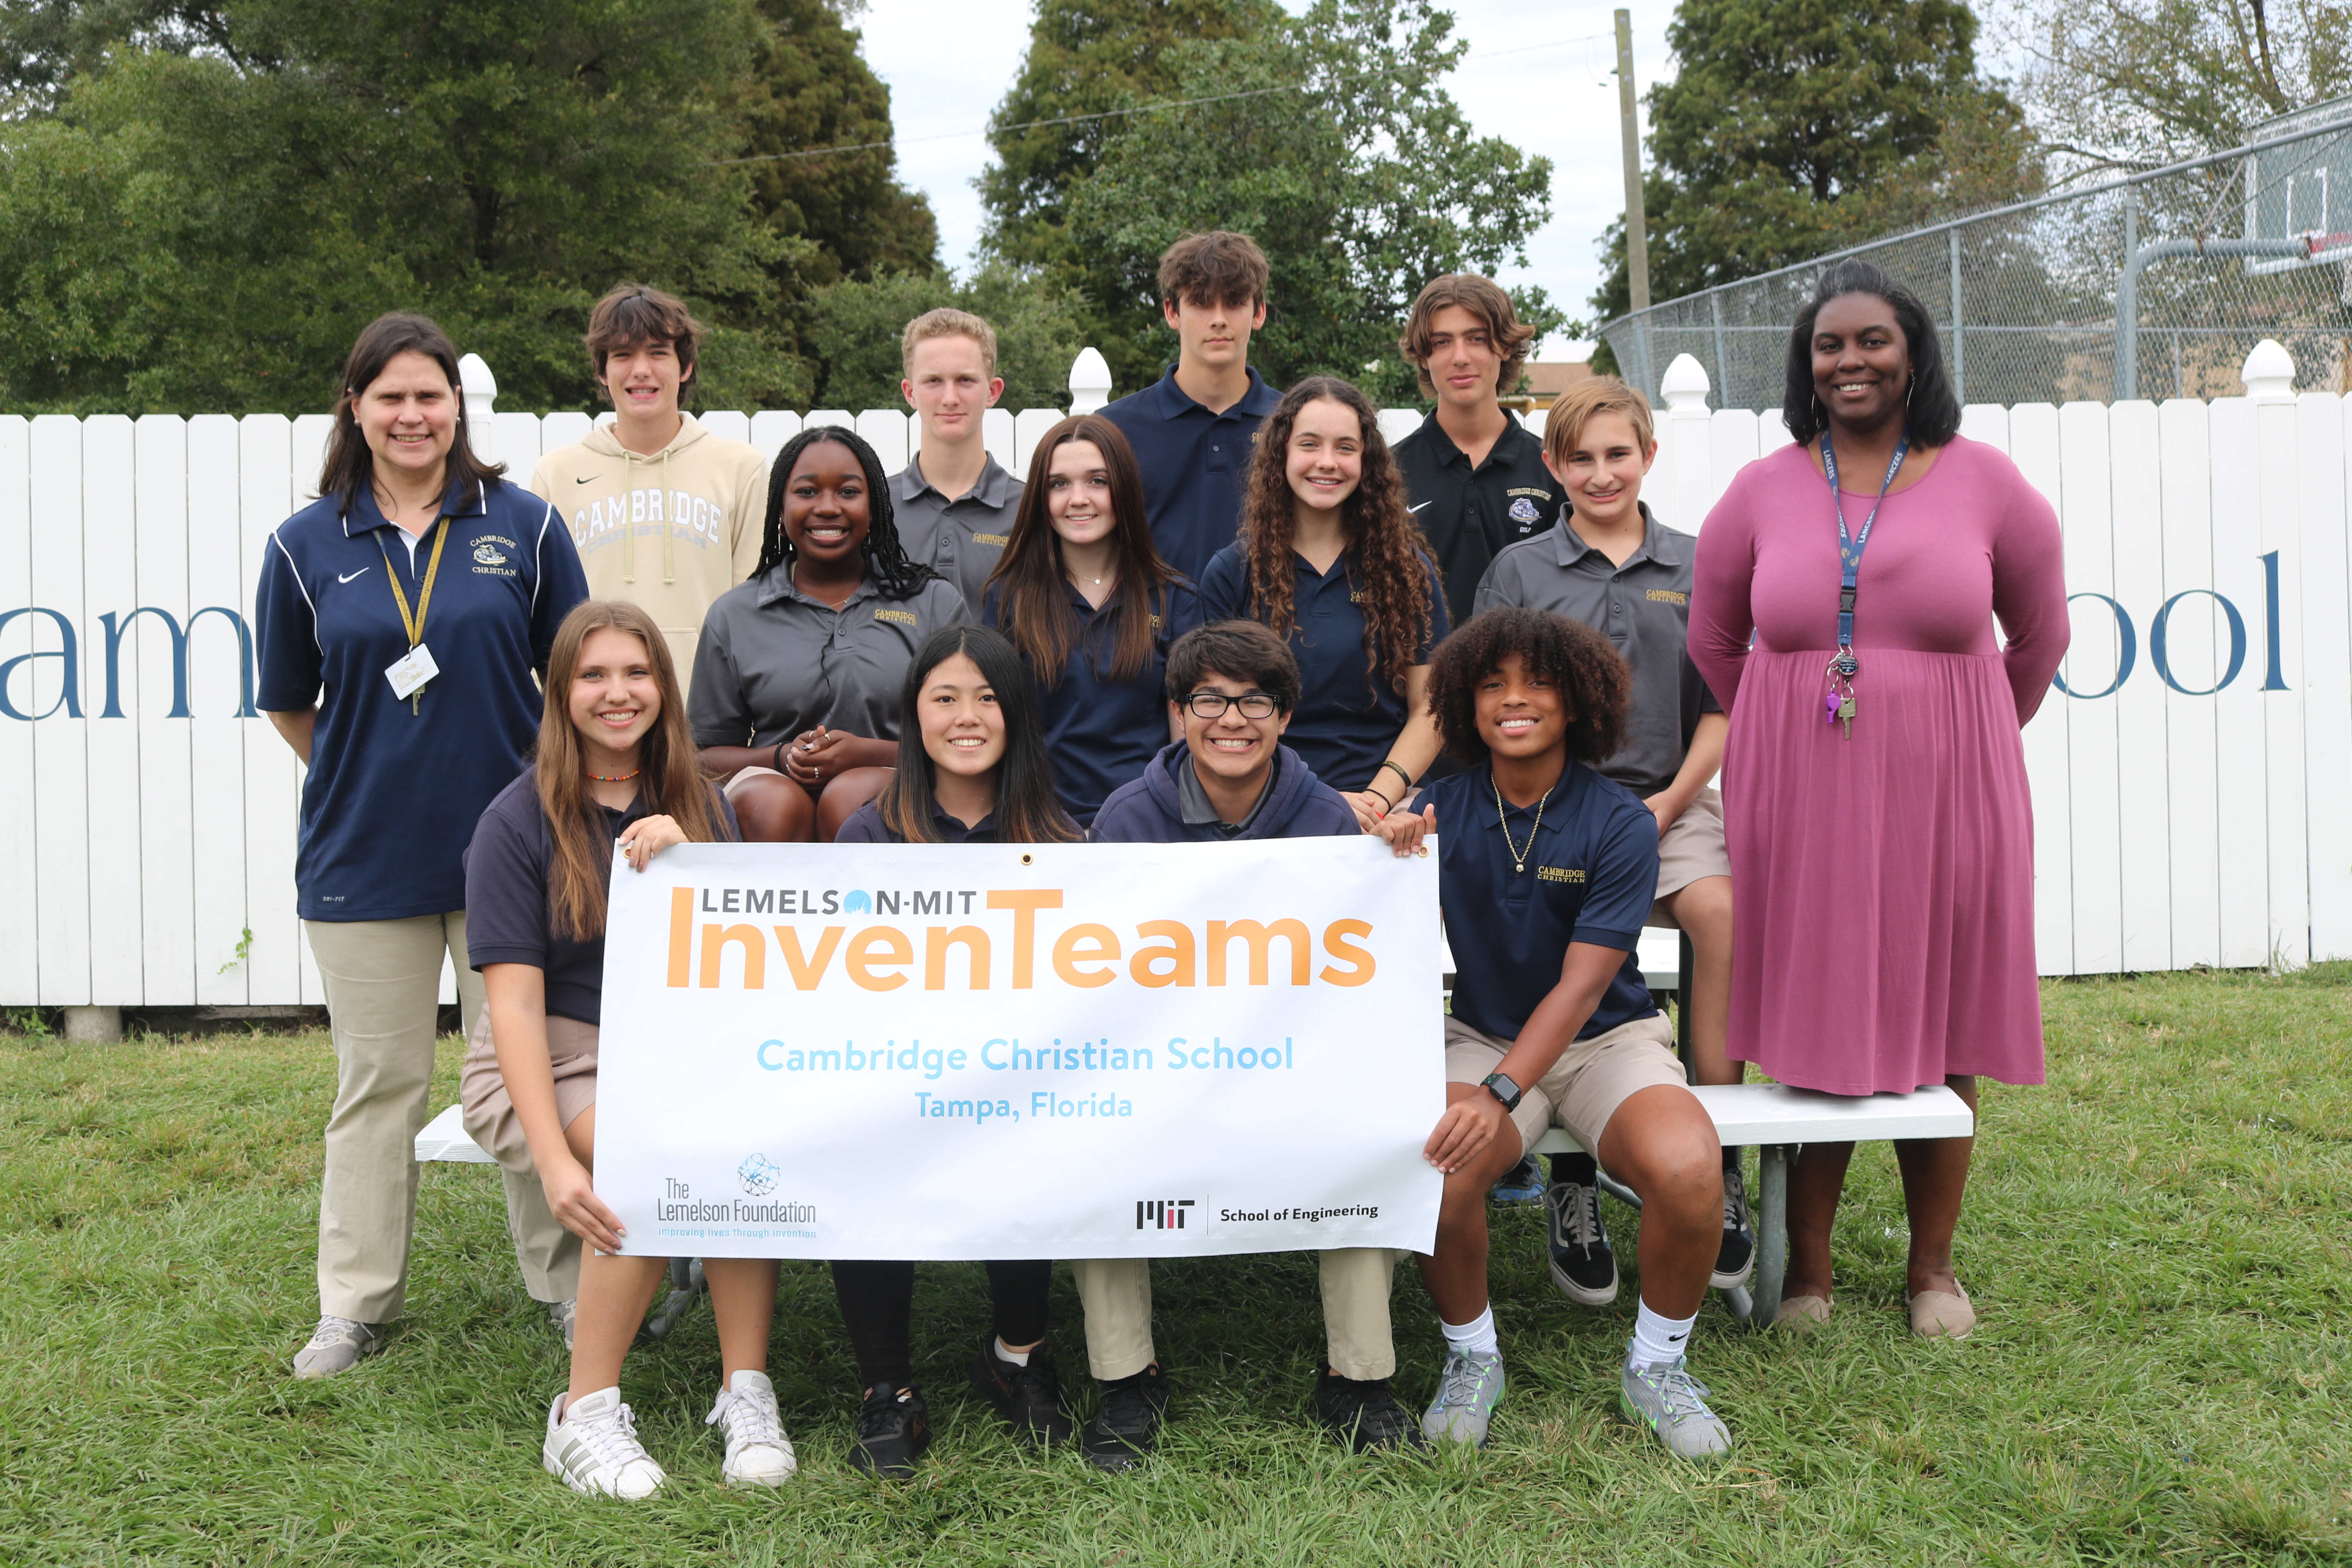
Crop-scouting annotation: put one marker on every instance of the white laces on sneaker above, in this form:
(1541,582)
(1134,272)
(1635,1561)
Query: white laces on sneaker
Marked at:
(749,1419)
(1680,1396)
(1466,1376)
(611,1436)
(340,1330)
(1580,1217)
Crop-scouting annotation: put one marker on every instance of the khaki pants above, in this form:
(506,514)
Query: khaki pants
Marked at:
(383,980)
(1117,1295)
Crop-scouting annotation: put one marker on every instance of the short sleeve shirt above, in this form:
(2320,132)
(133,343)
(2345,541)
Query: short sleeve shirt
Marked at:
(1590,874)
(394,790)
(1102,730)
(1471,514)
(775,661)
(1643,607)
(1347,718)
(961,539)
(1194,464)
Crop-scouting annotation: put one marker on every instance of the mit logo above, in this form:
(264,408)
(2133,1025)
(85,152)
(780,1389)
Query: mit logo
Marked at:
(1161,1214)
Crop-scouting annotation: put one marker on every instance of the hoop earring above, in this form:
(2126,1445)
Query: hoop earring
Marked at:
(1910,384)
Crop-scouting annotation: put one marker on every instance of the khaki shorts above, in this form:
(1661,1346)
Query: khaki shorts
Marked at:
(1690,850)
(1585,1087)
(490,1116)
(735,783)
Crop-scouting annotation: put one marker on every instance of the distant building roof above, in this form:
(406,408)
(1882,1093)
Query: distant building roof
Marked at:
(1547,379)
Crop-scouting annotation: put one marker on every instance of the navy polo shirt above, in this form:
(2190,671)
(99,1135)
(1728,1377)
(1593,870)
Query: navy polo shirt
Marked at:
(1591,871)
(1470,514)
(392,796)
(866,827)
(1347,717)
(1194,465)
(1100,731)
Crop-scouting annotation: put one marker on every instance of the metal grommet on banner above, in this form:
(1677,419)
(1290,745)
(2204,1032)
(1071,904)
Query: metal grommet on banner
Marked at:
(1423,852)
(1028,860)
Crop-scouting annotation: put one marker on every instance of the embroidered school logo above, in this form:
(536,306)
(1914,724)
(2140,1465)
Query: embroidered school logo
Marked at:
(490,554)
(1666,596)
(1559,874)
(1524,512)
(999,539)
(1161,1214)
(758,1175)
(904,617)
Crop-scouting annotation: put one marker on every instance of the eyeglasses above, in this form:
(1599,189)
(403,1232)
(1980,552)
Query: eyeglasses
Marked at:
(1213,704)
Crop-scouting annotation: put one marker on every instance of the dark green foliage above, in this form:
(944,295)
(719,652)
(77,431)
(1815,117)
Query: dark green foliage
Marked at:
(851,336)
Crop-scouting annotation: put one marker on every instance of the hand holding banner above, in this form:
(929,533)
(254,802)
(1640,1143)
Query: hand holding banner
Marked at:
(1006,1051)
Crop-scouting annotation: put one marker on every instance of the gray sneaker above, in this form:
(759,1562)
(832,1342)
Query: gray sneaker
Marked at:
(1467,1393)
(337,1346)
(1669,1401)
(560,1314)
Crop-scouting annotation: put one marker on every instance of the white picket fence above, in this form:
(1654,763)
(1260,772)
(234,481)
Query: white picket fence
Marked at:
(2173,825)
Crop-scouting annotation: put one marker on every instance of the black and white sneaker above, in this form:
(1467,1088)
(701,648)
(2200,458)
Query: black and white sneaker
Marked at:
(1364,1414)
(1127,1426)
(1028,1397)
(1583,1265)
(1735,1259)
(894,1427)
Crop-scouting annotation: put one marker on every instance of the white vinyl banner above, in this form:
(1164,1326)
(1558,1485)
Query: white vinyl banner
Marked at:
(1007,1051)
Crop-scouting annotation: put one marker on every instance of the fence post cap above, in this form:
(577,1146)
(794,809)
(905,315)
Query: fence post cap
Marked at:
(1684,385)
(474,377)
(2269,373)
(1090,381)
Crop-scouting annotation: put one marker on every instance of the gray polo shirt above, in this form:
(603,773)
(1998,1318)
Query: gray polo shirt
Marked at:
(1643,606)
(774,661)
(961,539)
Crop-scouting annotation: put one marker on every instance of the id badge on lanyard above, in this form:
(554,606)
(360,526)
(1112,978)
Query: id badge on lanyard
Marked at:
(1837,702)
(411,672)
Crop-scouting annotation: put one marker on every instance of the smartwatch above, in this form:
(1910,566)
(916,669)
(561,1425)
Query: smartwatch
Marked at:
(1500,1085)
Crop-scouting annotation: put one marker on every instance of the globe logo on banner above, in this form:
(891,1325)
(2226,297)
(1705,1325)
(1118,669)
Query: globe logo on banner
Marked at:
(758,1175)
(857,903)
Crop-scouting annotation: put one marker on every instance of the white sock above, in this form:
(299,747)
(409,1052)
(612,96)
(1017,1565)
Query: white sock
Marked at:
(1011,1357)
(1476,1336)
(1658,1339)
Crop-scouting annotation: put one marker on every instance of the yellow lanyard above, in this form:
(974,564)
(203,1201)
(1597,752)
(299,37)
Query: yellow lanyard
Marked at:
(414,626)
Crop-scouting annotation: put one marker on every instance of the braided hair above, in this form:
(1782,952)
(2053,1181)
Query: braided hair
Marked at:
(894,575)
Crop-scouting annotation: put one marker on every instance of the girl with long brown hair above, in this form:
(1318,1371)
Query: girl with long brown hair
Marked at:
(1085,598)
(1330,558)
(616,766)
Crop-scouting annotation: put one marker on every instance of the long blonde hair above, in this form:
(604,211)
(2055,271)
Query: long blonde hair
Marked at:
(671,780)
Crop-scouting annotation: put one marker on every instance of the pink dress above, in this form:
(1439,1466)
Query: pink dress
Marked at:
(1884,880)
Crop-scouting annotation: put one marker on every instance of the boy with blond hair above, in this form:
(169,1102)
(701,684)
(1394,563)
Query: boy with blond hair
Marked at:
(953,501)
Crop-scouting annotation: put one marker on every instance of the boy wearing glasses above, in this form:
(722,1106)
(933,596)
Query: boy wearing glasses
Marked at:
(1232,686)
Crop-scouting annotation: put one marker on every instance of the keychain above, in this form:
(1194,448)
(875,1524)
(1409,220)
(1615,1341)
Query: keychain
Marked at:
(1837,702)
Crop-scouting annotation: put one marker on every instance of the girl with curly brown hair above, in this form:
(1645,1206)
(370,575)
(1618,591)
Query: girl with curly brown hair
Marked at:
(1331,560)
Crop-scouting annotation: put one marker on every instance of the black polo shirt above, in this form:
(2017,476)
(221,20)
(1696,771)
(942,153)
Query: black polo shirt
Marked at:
(1471,514)
(1643,606)
(1194,464)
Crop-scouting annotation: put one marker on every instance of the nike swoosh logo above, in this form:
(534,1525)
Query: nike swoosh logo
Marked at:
(348,576)
(1411,508)
(589,480)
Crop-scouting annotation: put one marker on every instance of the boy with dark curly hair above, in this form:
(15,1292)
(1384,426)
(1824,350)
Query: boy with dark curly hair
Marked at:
(1545,874)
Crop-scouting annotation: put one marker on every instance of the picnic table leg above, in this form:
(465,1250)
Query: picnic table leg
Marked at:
(1771,1233)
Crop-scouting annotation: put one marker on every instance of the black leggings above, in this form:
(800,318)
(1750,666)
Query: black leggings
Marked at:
(877,1305)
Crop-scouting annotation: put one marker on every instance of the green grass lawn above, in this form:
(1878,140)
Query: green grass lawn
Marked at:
(2157,1242)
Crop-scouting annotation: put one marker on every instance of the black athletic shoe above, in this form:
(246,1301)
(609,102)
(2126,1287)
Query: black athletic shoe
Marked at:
(1028,1397)
(1124,1429)
(894,1427)
(1522,1183)
(1581,1264)
(1735,1259)
(1365,1415)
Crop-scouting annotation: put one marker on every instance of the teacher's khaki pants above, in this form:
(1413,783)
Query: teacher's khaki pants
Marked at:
(384,985)
(1117,1295)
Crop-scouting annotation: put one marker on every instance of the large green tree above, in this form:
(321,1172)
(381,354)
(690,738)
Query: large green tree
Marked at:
(853,332)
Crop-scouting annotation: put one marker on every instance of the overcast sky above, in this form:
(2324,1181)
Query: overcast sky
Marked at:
(948,61)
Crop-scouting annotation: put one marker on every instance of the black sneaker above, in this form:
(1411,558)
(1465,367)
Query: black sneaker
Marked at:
(1365,1415)
(1028,1397)
(894,1427)
(1124,1429)
(1581,1264)
(1522,1183)
(1735,1259)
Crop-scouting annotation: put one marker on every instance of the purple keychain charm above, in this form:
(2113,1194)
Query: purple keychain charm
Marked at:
(1830,700)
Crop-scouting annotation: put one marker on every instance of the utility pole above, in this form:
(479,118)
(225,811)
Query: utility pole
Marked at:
(1637,224)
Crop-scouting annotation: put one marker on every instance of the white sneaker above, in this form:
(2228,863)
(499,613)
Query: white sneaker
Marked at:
(337,1346)
(758,1452)
(592,1447)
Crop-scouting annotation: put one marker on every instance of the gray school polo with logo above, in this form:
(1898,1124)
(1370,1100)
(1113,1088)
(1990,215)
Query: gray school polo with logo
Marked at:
(1643,607)
(961,539)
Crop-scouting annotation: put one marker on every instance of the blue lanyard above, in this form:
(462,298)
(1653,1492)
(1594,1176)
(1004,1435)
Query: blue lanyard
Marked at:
(1851,546)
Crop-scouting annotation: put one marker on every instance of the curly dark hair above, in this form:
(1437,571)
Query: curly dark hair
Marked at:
(894,575)
(1389,562)
(1593,680)
(1935,413)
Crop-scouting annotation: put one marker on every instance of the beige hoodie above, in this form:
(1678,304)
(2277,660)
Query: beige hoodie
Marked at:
(669,532)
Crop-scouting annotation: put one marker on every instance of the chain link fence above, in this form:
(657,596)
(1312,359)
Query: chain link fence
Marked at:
(2154,285)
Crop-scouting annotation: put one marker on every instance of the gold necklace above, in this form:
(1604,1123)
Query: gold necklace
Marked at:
(1518,855)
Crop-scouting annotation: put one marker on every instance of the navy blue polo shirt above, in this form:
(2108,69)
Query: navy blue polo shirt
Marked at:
(1347,717)
(866,827)
(1592,874)
(1100,731)
(392,796)
(1194,465)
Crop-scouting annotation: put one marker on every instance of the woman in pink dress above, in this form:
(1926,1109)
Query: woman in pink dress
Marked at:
(1874,796)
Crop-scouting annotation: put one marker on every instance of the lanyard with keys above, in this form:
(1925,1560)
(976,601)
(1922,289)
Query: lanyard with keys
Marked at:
(1838,702)
(409,672)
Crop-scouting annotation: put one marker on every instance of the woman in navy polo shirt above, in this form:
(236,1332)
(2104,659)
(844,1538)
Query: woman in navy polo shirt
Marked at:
(1330,558)
(615,765)
(399,618)
(972,770)
(1084,595)
(795,693)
